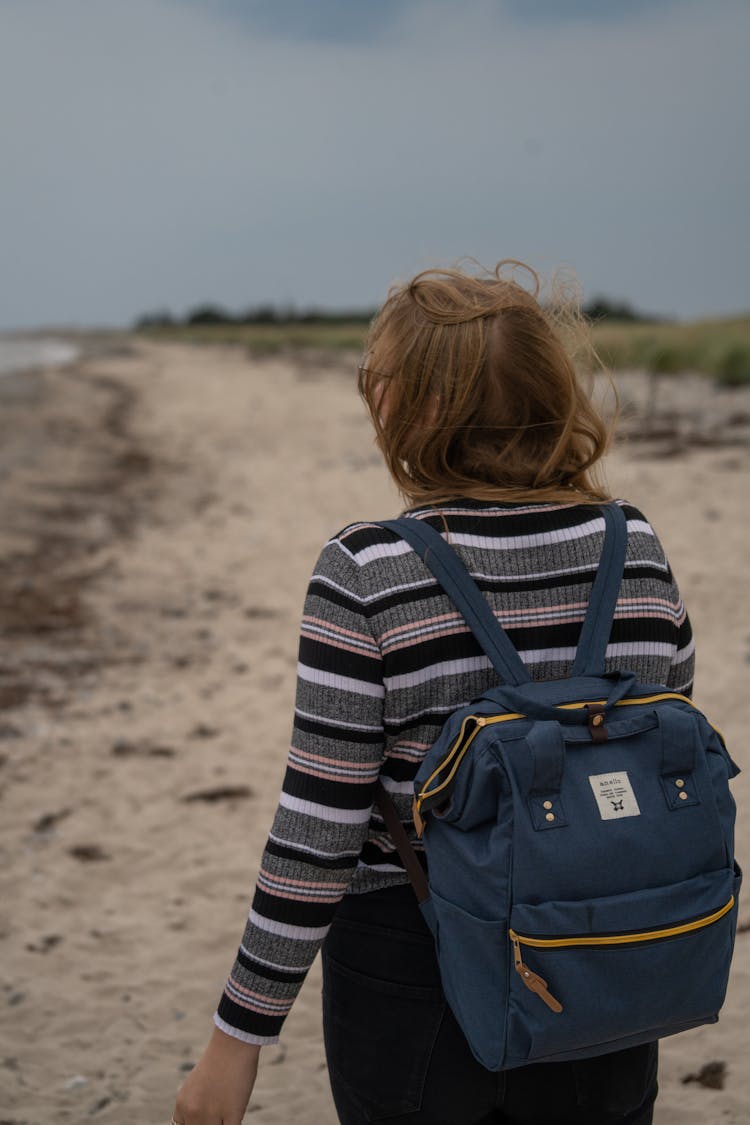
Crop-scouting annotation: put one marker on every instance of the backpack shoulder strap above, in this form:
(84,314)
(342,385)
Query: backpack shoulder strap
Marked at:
(597,624)
(463,591)
(461,588)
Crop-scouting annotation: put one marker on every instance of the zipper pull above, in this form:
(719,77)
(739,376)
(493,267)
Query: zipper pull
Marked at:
(532,980)
(417,818)
(536,984)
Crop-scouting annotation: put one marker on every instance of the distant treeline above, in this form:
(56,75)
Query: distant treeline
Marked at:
(598,309)
(262,314)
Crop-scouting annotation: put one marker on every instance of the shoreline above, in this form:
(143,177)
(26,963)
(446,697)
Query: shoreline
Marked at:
(42,349)
(19,354)
(150,608)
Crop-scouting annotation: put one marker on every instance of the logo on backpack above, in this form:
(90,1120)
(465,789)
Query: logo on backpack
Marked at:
(614,795)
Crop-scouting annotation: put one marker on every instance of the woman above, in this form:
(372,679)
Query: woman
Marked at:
(484,426)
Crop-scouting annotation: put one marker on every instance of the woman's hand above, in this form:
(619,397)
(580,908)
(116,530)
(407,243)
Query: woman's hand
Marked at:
(218,1088)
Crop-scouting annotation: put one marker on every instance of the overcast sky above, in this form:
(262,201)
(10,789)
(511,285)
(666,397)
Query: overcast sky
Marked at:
(163,153)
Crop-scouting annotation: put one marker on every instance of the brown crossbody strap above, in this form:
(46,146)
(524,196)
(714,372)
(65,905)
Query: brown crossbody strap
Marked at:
(413,867)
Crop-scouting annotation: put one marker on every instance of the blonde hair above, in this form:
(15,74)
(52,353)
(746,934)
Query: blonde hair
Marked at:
(482,394)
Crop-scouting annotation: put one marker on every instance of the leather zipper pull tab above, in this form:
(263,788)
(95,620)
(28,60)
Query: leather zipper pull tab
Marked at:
(417,817)
(532,980)
(537,984)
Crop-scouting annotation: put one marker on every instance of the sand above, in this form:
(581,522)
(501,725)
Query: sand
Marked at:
(150,604)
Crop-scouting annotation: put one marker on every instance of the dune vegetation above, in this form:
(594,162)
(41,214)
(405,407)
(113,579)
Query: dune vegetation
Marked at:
(716,347)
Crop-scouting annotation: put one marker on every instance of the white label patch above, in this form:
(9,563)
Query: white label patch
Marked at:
(614,795)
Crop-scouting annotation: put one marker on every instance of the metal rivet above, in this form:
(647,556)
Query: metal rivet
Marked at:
(547,805)
(598,720)
(683,796)
(550,816)
(679,783)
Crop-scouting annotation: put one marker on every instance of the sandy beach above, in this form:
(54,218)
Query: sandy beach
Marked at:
(149,605)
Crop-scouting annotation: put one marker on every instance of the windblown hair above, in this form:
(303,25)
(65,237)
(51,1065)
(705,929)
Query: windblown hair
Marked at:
(472,387)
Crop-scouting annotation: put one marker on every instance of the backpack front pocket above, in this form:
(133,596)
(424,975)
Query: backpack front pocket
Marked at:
(625,967)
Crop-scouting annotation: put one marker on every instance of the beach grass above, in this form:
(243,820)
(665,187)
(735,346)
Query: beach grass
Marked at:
(268,339)
(717,347)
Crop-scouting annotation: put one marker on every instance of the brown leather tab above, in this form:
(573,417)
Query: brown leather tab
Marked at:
(597,725)
(417,818)
(414,870)
(538,985)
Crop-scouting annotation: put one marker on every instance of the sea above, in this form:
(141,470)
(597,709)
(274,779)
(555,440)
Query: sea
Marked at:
(17,353)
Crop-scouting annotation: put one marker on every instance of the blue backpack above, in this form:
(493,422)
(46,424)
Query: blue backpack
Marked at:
(579,834)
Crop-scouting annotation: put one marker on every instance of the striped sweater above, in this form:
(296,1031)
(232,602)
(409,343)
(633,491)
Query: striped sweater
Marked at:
(384,658)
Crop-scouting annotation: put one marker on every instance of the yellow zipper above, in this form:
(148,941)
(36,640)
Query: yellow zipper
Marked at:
(489,720)
(537,984)
(481,721)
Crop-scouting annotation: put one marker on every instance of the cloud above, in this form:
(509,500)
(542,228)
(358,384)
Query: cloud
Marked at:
(154,155)
(589,11)
(327,21)
(362,21)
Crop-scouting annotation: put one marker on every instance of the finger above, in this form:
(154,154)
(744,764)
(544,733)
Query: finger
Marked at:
(193,1116)
(181,1116)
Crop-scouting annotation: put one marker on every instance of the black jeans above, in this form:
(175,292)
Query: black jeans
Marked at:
(396,1054)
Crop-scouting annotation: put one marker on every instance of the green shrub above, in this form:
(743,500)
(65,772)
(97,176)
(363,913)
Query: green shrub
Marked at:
(732,367)
(666,359)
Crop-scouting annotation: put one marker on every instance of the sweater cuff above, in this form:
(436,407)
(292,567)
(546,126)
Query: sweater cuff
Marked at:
(244,1036)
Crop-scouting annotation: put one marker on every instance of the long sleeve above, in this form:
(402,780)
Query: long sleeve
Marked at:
(682,668)
(323,815)
(682,665)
